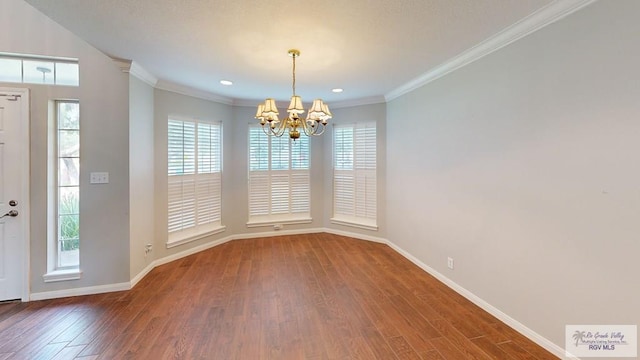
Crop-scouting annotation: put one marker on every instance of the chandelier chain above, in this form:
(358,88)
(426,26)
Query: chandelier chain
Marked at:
(294,75)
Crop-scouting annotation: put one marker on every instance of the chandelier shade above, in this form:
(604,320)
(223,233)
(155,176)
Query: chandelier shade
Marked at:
(314,125)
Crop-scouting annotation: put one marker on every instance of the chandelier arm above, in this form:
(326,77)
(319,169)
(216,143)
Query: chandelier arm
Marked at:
(316,130)
(279,130)
(266,129)
(276,131)
(324,127)
(305,127)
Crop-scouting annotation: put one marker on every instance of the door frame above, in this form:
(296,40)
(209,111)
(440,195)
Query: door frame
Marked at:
(25,164)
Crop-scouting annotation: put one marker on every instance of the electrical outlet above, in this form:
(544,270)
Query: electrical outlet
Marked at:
(99,178)
(147,249)
(450,263)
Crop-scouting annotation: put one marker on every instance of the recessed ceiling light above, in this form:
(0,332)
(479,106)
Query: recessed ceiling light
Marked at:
(337,90)
(226,82)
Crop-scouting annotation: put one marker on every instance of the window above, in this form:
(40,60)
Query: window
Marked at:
(279,179)
(194,179)
(354,175)
(39,70)
(64,192)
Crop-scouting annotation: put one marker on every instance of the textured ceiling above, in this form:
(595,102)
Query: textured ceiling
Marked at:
(367,47)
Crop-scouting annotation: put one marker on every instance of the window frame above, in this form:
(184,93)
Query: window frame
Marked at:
(195,182)
(56,271)
(297,172)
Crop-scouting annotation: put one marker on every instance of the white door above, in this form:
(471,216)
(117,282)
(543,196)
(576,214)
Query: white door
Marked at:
(14,193)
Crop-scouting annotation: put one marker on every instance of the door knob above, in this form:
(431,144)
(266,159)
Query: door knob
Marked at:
(12,213)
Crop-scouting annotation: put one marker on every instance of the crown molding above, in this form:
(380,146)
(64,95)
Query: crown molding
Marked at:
(189,91)
(534,22)
(141,73)
(123,64)
(358,102)
(332,104)
(135,69)
(252,102)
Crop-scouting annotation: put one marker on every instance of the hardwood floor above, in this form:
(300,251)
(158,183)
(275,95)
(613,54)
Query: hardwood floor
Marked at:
(316,296)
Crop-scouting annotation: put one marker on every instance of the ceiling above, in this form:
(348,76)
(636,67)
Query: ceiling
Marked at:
(367,47)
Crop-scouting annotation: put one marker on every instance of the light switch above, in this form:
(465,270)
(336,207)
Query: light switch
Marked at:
(99,178)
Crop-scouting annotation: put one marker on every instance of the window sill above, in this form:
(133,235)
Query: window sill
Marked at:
(182,239)
(62,275)
(355,223)
(288,220)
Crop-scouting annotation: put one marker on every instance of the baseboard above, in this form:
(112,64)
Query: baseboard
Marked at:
(277,233)
(191,251)
(136,279)
(356,235)
(89,290)
(516,325)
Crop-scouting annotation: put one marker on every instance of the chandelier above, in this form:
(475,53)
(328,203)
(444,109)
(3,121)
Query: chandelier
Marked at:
(313,125)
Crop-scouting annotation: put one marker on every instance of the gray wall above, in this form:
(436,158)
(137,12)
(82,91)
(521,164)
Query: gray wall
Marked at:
(103,95)
(141,174)
(523,167)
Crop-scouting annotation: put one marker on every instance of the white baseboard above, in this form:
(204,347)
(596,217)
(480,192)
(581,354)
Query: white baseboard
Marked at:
(191,251)
(197,249)
(278,233)
(89,290)
(356,235)
(136,279)
(516,325)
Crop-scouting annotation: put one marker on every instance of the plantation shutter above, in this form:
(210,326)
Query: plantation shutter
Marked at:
(300,177)
(344,176)
(354,179)
(365,169)
(194,177)
(279,179)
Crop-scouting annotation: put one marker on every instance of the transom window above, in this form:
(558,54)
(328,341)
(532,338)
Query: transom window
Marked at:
(39,70)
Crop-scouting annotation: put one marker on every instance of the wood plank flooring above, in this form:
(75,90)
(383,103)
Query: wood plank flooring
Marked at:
(316,296)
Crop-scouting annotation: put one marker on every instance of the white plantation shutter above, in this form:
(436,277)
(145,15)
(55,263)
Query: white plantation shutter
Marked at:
(195,177)
(300,186)
(280,153)
(365,168)
(279,179)
(259,199)
(208,199)
(182,203)
(280,192)
(343,192)
(181,147)
(209,148)
(354,174)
